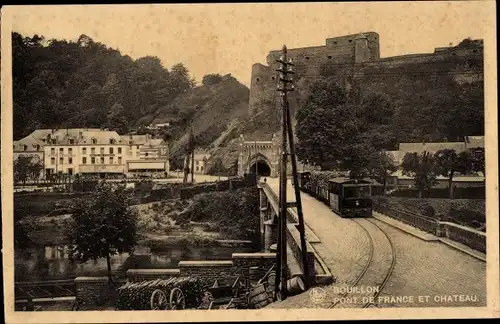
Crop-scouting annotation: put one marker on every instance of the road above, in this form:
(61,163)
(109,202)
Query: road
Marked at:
(422,268)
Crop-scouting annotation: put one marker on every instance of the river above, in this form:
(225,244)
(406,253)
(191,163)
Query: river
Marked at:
(51,262)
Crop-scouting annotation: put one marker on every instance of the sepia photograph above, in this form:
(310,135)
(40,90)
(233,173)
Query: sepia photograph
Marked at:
(267,161)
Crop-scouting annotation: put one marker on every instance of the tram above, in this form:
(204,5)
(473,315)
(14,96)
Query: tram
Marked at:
(347,197)
(350,197)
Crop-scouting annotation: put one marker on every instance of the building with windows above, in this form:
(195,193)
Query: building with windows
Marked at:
(146,155)
(93,152)
(201,159)
(471,144)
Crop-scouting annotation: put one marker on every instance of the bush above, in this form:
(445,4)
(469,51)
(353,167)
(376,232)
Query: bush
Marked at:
(137,295)
(428,211)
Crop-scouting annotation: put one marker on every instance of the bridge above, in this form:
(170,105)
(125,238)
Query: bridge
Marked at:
(259,155)
(370,252)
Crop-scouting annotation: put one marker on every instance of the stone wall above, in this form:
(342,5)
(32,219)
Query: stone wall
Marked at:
(91,291)
(343,56)
(293,240)
(227,271)
(468,236)
(151,274)
(186,193)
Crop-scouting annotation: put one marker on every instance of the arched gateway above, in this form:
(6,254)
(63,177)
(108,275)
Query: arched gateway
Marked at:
(259,155)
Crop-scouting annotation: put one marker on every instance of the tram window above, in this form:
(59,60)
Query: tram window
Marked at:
(357,192)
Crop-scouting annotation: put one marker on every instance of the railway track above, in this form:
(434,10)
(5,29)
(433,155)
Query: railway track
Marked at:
(376,272)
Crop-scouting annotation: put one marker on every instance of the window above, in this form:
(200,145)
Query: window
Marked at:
(102,150)
(52,161)
(94,141)
(201,168)
(70,160)
(52,151)
(119,160)
(138,147)
(102,159)
(258,79)
(70,171)
(61,150)
(110,150)
(71,141)
(111,160)
(92,160)
(70,150)
(330,57)
(38,147)
(53,141)
(61,160)
(119,150)
(25,147)
(84,150)
(84,160)
(111,141)
(147,154)
(350,41)
(197,168)
(92,150)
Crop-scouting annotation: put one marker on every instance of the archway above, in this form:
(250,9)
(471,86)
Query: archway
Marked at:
(261,167)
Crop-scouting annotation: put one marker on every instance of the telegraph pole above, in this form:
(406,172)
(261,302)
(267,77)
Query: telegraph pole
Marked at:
(284,86)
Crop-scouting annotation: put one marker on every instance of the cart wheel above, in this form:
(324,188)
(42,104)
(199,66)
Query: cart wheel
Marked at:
(177,299)
(158,300)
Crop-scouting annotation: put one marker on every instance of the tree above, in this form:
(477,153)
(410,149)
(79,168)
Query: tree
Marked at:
(211,79)
(382,166)
(478,162)
(103,225)
(25,168)
(217,167)
(116,119)
(339,130)
(422,168)
(448,162)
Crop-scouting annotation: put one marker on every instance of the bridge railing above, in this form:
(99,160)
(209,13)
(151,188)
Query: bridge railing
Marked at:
(424,223)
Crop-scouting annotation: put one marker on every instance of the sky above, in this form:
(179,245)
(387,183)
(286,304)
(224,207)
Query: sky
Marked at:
(229,38)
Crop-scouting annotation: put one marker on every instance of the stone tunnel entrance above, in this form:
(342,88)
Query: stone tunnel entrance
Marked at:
(262,168)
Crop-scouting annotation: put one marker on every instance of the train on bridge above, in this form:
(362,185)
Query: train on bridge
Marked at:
(346,197)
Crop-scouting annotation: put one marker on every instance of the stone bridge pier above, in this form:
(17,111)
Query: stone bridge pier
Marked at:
(268,222)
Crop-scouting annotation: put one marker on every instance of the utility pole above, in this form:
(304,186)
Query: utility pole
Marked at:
(284,86)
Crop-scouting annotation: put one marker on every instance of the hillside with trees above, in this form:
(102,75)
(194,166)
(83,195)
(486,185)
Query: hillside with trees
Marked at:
(59,84)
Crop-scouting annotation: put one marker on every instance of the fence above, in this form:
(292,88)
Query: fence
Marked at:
(419,221)
(44,289)
(468,236)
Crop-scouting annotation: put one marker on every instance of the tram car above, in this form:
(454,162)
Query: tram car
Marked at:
(351,197)
(303,180)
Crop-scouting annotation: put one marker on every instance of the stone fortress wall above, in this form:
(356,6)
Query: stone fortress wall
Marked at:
(353,56)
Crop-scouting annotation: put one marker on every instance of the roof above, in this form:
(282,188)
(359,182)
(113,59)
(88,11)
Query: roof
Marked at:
(431,147)
(460,178)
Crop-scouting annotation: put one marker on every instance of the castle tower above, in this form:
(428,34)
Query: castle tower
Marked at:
(361,49)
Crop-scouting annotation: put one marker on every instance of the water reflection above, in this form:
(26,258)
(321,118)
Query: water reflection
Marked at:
(52,263)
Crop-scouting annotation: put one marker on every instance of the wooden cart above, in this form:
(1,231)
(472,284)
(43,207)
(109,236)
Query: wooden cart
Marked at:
(159,300)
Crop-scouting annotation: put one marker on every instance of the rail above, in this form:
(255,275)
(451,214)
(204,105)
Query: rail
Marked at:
(44,289)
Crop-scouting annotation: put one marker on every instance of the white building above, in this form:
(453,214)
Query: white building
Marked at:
(94,152)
